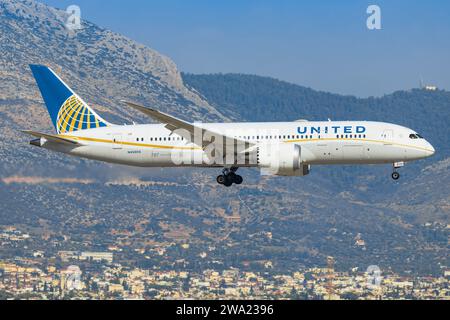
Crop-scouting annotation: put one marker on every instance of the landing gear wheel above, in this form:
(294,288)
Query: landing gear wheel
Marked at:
(238,180)
(228,181)
(396,176)
(221,179)
(229,177)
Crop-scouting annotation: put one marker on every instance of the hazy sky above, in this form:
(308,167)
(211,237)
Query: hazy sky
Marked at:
(320,44)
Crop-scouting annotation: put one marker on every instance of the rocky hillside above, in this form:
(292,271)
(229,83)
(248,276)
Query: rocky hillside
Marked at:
(102,66)
(355,214)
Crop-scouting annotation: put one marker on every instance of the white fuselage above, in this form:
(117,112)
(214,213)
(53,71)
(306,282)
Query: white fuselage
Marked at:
(322,143)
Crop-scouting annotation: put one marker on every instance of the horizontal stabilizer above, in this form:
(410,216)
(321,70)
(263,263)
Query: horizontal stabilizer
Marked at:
(52,138)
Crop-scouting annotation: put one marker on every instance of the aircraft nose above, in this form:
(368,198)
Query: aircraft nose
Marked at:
(431,151)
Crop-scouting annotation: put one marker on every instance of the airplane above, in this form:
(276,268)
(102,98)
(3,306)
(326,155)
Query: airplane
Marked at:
(276,148)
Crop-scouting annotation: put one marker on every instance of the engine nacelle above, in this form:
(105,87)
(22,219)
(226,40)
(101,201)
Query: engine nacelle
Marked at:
(282,160)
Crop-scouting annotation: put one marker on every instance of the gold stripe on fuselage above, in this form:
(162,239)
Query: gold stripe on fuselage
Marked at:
(135,144)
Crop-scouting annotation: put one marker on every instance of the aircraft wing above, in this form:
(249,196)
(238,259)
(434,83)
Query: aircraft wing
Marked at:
(52,138)
(173,123)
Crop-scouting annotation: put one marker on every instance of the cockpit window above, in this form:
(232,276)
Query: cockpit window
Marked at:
(415,136)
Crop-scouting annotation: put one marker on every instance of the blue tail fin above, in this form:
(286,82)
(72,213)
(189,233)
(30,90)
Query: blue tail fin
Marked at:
(68,111)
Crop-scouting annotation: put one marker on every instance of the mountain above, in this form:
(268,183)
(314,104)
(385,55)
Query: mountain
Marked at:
(121,68)
(356,214)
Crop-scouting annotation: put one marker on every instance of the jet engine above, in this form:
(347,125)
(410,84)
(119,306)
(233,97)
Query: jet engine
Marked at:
(282,160)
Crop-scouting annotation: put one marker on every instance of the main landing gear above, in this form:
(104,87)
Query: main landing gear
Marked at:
(229,177)
(395,174)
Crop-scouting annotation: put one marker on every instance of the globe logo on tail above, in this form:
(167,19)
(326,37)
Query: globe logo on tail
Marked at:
(74,115)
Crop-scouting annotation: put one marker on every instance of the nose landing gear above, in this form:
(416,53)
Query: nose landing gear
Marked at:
(229,177)
(395,174)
